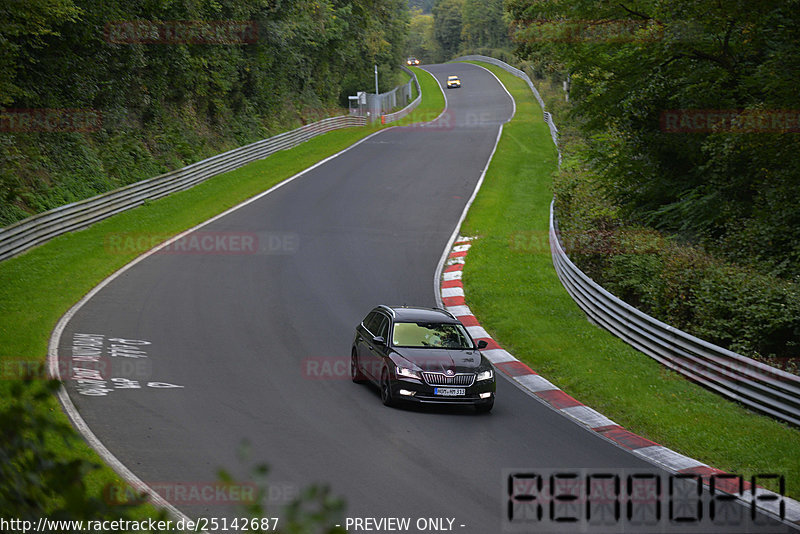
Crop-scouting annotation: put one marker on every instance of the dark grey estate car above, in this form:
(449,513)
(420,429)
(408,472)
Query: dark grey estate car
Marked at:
(422,355)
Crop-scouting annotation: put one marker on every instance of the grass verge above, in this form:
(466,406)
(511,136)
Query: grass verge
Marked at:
(512,288)
(38,287)
(432,99)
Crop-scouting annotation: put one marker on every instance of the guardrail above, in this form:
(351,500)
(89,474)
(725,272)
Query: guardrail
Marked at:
(756,385)
(378,104)
(548,118)
(752,383)
(40,228)
(397,115)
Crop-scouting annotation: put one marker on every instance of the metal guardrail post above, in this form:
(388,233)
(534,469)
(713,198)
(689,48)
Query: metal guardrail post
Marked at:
(756,385)
(392,117)
(40,228)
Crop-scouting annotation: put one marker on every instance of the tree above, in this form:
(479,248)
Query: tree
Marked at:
(447,25)
(632,62)
(483,24)
(170,104)
(424,6)
(421,40)
(23,25)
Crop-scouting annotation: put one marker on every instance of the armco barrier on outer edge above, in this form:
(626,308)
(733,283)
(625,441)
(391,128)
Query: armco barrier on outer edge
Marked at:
(548,119)
(756,385)
(39,228)
(397,115)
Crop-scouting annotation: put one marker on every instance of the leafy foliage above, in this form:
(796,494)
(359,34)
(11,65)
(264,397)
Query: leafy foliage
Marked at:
(629,62)
(422,42)
(314,510)
(461,26)
(483,24)
(734,306)
(38,481)
(169,104)
(424,6)
(33,473)
(447,21)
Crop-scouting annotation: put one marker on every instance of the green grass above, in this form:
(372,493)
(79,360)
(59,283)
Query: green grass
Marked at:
(512,288)
(432,100)
(402,77)
(414,92)
(38,287)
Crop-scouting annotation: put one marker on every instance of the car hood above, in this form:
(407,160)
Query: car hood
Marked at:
(442,360)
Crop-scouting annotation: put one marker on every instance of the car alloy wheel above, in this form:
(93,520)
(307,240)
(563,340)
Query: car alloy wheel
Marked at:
(355,373)
(386,389)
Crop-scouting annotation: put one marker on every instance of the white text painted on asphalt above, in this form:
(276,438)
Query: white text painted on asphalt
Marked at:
(95,359)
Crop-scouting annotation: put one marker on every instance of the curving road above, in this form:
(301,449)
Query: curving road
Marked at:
(249,344)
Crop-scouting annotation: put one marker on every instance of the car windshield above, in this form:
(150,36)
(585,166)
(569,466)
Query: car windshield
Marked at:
(431,335)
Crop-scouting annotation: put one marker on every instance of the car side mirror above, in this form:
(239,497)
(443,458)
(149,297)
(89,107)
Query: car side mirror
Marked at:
(379,340)
(482,344)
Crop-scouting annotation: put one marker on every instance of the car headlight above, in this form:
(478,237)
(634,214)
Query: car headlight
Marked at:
(408,373)
(485,375)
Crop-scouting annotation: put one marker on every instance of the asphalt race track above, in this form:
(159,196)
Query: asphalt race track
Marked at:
(253,344)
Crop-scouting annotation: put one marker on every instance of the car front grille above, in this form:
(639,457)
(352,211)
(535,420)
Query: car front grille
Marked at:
(441,379)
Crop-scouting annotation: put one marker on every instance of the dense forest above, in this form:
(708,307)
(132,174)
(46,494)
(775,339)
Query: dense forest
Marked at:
(425,6)
(449,28)
(733,188)
(680,126)
(683,171)
(95,95)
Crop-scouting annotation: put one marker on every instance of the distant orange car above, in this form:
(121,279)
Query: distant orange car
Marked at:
(412,61)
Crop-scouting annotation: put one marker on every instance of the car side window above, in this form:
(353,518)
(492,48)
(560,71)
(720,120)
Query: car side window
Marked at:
(383,328)
(371,322)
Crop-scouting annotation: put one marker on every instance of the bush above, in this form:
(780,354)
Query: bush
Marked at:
(735,306)
(37,479)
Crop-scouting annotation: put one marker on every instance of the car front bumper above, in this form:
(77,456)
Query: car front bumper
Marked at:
(417,391)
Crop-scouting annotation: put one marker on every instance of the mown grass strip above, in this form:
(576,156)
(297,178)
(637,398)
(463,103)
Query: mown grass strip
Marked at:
(512,288)
(432,100)
(38,287)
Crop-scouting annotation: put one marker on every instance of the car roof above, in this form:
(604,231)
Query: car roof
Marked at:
(419,313)
(451,77)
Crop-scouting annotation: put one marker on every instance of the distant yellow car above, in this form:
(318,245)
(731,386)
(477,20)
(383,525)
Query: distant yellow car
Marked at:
(453,81)
(412,61)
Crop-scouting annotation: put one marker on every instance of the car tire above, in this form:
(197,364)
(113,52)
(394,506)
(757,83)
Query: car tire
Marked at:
(386,389)
(355,373)
(485,408)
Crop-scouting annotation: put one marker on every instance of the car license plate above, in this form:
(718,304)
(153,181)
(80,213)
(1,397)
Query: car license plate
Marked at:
(449,392)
